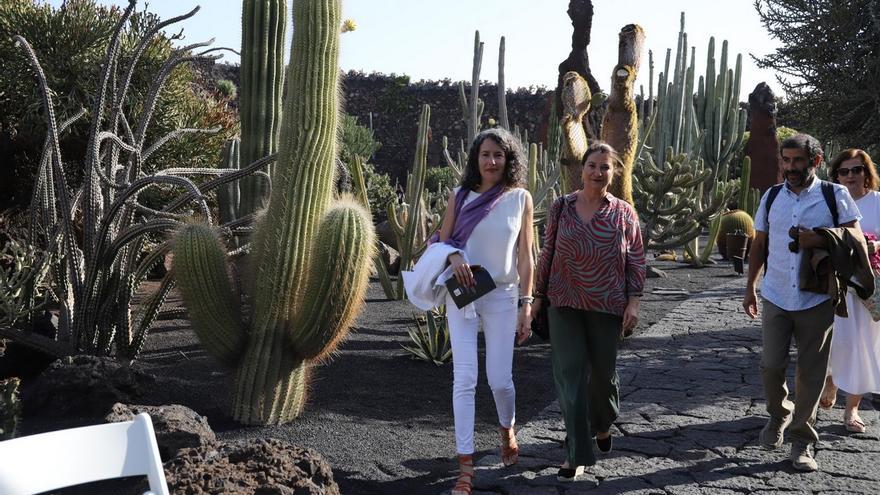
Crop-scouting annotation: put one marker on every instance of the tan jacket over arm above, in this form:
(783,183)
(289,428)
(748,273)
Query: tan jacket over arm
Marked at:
(829,270)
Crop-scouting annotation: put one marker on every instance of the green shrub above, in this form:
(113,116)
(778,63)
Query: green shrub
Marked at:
(71,41)
(380,192)
(355,140)
(438,179)
(227,88)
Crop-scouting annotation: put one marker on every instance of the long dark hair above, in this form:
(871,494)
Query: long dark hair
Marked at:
(515,161)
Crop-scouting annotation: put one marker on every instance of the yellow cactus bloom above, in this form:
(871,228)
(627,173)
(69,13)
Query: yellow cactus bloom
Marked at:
(349,25)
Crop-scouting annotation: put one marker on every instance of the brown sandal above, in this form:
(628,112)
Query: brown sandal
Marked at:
(465,483)
(509,447)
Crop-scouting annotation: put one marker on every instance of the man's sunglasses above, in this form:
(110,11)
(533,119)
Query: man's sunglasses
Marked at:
(843,172)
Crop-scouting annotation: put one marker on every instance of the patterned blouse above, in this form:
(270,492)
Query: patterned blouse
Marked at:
(596,265)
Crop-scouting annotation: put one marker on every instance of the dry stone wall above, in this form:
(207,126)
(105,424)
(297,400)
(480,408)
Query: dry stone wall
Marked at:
(393,103)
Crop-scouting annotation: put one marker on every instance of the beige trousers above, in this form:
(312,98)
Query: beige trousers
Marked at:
(811,329)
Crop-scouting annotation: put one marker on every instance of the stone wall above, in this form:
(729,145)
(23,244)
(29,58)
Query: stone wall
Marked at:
(394,103)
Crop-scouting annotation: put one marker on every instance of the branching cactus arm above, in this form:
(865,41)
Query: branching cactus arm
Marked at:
(200,271)
(336,285)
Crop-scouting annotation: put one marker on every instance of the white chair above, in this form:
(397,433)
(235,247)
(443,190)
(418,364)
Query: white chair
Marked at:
(57,459)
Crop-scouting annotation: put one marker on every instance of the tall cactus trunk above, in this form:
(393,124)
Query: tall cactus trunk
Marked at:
(620,125)
(312,259)
(263,25)
(304,187)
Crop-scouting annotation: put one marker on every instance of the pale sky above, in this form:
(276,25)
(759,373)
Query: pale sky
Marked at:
(434,40)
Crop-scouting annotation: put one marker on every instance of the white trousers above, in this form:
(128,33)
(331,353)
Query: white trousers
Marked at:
(497,312)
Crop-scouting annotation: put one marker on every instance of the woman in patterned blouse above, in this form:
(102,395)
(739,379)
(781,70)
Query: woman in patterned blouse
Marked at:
(591,273)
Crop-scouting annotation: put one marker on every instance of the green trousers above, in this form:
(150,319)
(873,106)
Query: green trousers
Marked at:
(584,358)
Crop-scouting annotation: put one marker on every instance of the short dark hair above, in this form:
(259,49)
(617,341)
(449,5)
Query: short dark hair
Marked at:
(871,179)
(515,161)
(805,142)
(603,147)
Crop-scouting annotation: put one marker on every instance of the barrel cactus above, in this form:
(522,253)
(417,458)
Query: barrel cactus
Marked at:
(311,258)
(731,222)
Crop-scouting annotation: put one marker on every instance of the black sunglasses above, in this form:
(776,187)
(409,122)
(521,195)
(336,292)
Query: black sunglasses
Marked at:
(858,169)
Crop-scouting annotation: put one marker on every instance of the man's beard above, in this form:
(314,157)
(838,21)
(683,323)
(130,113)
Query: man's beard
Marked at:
(797,177)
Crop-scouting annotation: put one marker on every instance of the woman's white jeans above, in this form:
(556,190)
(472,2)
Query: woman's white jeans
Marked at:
(497,312)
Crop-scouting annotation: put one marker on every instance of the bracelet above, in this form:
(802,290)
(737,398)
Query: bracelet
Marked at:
(526,299)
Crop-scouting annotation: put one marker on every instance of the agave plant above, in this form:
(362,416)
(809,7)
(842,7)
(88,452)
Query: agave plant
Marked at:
(431,337)
(96,236)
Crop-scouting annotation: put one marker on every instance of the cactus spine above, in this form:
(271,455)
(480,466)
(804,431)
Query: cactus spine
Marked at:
(263,24)
(312,259)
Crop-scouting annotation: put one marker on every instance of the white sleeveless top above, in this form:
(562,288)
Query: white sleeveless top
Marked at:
(493,243)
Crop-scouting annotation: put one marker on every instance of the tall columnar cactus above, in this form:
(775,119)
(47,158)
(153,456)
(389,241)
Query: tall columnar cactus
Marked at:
(473,106)
(502,90)
(620,124)
(229,196)
(408,220)
(312,258)
(676,138)
(749,197)
(620,128)
(575,97)
(718,113)
(722,123)
(263,25)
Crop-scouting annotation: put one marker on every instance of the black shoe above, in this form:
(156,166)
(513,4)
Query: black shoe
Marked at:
(569,474)
(604,444)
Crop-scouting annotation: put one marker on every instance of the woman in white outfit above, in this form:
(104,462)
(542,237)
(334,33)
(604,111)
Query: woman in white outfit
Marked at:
(489,218)
(854,365)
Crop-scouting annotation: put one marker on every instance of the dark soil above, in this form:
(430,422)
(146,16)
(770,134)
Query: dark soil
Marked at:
(382,419)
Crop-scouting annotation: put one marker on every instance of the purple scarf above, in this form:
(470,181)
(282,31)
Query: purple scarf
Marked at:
(467,217)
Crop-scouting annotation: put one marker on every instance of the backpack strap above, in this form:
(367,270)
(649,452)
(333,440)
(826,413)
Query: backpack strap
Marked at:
(830,200)
(771,197)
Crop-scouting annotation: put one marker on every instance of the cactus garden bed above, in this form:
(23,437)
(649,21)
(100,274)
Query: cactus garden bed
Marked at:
(382,419)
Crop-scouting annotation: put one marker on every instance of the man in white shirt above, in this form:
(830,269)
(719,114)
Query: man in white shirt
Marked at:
(788,311)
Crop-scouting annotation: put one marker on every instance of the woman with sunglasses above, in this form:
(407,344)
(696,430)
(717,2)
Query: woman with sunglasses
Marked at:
(855,342)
